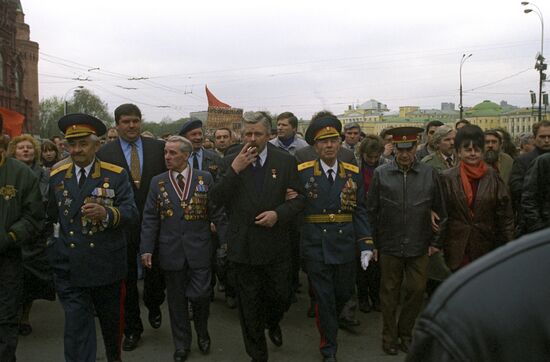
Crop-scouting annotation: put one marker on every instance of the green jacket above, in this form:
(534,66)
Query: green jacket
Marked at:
(21,207)
(437,162)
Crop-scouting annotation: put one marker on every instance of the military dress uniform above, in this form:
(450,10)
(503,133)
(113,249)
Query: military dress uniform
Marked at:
(89,257)
(335,227)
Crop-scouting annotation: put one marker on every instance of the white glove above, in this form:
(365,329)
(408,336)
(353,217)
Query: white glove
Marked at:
(366,256)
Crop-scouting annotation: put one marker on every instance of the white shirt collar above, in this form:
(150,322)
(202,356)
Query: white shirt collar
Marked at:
(262,156)
(184,173)
(327,167)
(87,169)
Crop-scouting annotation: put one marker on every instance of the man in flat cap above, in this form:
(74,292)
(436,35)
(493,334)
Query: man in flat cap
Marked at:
(142,158)
(253,188)
(335,227)
(200,159)
(402,196)
(22,216)
(90,202)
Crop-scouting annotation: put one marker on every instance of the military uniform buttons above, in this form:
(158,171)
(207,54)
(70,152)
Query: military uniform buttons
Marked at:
(92,245)
(72,245)
(340,231)
(324,230)
(71,233)
(71,221)
(324,211)
(339,211)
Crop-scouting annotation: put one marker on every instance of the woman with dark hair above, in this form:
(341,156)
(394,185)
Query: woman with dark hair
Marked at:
(479,207)
(37,280)
(368,281)
(49,154)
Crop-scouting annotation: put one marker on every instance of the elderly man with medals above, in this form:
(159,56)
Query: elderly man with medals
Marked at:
(91,201)
(335,227)
(178,213)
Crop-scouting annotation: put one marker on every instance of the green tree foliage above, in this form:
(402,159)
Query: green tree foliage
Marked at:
(50,110)
(85,101)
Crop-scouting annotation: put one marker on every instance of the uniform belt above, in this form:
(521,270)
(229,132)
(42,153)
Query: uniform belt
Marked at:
(321,218)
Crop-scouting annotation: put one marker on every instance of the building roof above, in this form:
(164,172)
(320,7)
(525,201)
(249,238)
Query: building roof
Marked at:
(484,109)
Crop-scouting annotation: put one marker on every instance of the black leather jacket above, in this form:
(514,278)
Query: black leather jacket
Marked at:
(535,199)
(399,208)
(495,309)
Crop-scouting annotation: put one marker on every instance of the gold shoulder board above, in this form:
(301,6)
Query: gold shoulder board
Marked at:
(350,167)
(111,167)
(305,165)
(63,167)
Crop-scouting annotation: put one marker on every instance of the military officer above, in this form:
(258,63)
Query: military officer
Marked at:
(200,158)
(335,226)
(90,201)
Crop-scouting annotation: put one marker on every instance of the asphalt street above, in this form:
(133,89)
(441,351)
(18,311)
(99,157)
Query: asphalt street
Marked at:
(300,337)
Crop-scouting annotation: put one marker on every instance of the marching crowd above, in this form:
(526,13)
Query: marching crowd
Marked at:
(377,222)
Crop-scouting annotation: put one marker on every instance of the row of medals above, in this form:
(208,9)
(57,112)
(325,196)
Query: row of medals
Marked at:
(195,209)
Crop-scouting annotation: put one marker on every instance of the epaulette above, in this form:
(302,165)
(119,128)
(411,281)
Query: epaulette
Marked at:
(350,167)
(60,168)
(111,167)
(305,165)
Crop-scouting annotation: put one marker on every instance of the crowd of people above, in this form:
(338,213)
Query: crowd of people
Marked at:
(376,222)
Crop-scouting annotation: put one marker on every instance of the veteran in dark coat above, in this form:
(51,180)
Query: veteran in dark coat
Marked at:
(178,211)
(253,189)
(201,158)
(21,219)
(335,227)
(91,201)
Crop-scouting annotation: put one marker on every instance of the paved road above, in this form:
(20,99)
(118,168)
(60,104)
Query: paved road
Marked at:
(301,339)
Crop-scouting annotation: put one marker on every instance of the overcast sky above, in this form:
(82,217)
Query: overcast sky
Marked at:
(299,56)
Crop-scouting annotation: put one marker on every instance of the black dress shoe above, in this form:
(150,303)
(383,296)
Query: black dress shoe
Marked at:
(25,329)
(181,355)
(405,344)
(276,336)
(329,358)
(155,318)
(204,344)
(390,348)
(131,342)
(364,306)
(231,302)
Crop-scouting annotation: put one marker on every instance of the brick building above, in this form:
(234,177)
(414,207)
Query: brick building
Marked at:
(18,64)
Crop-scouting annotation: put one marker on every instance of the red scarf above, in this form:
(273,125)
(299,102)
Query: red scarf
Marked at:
(469,173)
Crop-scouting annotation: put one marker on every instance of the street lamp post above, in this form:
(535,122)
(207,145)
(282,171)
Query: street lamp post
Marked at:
(540,66)
(462,61)
(65,103)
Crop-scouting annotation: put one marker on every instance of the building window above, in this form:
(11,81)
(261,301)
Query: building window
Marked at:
(17,84)
(1,70)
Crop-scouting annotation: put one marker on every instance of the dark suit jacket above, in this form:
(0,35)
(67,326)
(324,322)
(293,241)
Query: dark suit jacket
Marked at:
(181,242)
(153,164)
(309,154)
(211,162)
(247,242)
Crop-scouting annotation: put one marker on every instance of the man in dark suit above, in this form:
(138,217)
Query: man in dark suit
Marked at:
(142,158)
(179,212)
(253,188)
(92,202)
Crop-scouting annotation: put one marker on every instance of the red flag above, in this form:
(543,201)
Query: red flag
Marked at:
(13,122)
(213,101)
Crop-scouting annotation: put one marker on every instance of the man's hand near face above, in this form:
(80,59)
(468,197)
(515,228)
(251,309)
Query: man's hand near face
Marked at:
(244,158)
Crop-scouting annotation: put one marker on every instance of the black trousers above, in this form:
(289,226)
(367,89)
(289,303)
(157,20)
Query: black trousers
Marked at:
(79,304)
(333,286)
(188,285)
(11,292)
(153,287)
(263,297)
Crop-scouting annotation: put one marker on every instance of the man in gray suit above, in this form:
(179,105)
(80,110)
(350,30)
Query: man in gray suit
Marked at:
(178,213)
